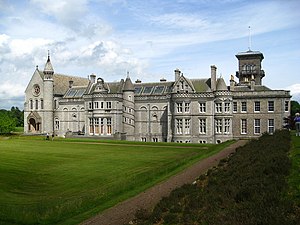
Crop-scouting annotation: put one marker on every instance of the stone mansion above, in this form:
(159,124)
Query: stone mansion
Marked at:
(185,110)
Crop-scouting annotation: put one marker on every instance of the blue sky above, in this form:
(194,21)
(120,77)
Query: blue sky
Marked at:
(147,38)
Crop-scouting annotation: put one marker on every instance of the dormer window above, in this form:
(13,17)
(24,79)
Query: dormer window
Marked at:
(100,85)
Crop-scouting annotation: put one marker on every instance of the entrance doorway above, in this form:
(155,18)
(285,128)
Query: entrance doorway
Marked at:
(33,125)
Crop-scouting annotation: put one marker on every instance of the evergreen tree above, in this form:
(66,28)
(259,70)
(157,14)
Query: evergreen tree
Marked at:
(7,122)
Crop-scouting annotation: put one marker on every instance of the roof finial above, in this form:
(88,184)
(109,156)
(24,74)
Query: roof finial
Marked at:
(249,38)
(127,74)
(48,55)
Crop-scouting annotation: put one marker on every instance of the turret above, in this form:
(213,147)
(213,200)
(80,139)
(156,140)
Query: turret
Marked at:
(128,108)
(48,72)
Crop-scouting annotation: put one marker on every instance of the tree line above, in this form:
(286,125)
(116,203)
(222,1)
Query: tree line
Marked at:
(10,119)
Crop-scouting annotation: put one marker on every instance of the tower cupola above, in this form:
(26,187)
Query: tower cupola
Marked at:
(48,70)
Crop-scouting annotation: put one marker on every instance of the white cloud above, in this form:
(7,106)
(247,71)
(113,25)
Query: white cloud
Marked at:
(11,94)
(13,90)
(26,46)
(65,11)
(181,21)
(295,91)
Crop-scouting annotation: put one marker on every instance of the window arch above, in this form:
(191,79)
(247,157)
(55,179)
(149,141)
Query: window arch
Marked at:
(36,104)
(56,123)
(143,113)
(65,114)
(74,114)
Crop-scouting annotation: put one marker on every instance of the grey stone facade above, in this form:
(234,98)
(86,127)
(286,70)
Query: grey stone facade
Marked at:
(183,110)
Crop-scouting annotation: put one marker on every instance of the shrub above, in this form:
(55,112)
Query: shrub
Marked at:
(246,188)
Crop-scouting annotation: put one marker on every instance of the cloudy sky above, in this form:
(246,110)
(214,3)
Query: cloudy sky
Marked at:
(147,38)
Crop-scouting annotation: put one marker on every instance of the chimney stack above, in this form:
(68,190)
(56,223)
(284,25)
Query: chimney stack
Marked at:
(92,78)
(232,83)
(70,83)
(177,74)
(213,77)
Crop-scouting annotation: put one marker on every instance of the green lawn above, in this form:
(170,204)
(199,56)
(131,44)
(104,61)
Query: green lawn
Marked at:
(68,180)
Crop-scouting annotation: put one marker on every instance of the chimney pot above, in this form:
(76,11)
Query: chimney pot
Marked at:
(70,83)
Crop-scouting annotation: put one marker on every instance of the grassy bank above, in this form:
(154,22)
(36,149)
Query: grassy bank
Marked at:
(68,180)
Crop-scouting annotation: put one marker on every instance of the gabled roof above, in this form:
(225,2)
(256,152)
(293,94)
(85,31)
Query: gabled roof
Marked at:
(36,75)
(182,77)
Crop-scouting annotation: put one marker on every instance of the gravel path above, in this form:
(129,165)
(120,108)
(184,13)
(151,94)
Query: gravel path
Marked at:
(124,212)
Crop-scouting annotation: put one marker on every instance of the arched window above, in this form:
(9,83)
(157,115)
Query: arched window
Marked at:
(154,113)
(65,114)
(31,104)
(143,113)
(74,114)
(42,104)
(56,123)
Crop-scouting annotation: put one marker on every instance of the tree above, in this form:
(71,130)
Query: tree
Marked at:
(295,107)
(7,122)
(18,115)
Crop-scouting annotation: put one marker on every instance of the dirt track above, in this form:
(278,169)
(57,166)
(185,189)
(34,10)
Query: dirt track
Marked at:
(125,211)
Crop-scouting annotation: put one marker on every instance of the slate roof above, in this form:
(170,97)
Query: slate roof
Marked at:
(221,85)
(61,82)
(128,86)
(157,88)
(75,92)
(201,85)
(247,88)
